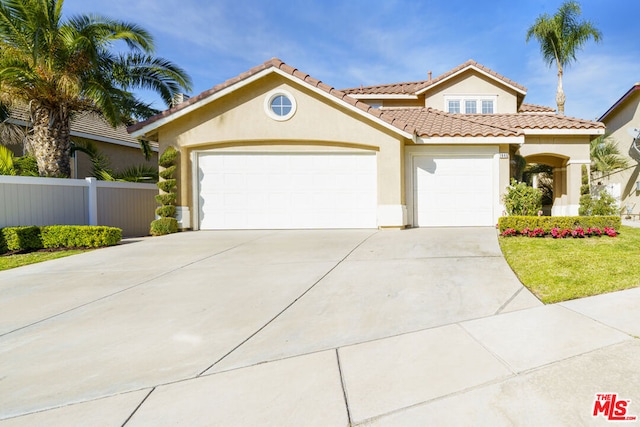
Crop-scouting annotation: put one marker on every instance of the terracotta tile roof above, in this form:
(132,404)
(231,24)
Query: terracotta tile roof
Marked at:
(406,88)
(426,122)
(536,121)
(421,86)
(278,64)
(429,122)
(532,108)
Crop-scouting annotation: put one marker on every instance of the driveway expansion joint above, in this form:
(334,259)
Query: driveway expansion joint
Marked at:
(290,304)
(151,279)
(138,407)
(344,387)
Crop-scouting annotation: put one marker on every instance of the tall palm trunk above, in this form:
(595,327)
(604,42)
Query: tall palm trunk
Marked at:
(51,140)
(560,98)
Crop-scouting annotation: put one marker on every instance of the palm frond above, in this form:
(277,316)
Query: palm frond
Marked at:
(6,161)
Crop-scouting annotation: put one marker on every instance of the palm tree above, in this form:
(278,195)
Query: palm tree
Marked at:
(59,67)
(605,156)
(560,36)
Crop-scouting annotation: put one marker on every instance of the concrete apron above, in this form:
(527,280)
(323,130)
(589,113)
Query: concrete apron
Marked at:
(352,319)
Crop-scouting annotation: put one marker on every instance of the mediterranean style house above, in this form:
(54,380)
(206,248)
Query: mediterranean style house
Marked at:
(623,125)
(116,144)
(277,148)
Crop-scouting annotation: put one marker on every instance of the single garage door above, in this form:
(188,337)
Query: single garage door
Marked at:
(453,190)
(280,191)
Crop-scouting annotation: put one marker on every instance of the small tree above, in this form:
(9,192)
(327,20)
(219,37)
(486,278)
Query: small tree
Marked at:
(167,223)
(521,199)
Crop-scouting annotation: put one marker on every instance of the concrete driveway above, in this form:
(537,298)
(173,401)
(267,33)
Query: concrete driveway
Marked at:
(319,327)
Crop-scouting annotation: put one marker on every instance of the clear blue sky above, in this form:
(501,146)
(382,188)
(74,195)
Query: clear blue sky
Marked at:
(346,43)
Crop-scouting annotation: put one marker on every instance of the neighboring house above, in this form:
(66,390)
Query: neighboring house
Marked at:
(116,144)
(276,148)
(621,119)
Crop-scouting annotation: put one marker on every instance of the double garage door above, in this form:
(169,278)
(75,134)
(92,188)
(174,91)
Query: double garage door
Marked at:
(311,190)
(280,191)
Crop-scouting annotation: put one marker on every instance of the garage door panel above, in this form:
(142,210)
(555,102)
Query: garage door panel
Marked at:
(287,191)
(453,191)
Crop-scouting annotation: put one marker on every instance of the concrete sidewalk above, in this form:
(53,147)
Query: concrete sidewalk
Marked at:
(395,328)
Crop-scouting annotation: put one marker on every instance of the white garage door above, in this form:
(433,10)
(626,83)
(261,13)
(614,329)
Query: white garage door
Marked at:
(453,191)
(279,191)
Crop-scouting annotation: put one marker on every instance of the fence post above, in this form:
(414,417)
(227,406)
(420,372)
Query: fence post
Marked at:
(93,200)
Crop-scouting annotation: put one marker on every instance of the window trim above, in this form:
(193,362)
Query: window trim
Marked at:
(268,99)
(463,99)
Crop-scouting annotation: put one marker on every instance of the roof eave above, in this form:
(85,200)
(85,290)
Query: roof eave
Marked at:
(481,71)
(229,89)
(564,132)
(382,96)
(620,101)
(469,140)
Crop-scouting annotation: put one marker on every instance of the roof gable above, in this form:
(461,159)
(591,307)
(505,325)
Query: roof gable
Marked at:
(422,86)
(274,65)
(473,65)
(623,98)
(407,122)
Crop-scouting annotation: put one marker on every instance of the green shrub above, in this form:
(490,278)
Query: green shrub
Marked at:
(166,211)
(168,172)
(162,226)
(168,158)
(167,185)
(3,243)
(57,236)
(548,222)
(26,165)
(604,204)
(22,238)
(79,236)
(521,199)
(166,199)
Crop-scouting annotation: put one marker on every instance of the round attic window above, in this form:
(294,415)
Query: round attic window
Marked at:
(280,105)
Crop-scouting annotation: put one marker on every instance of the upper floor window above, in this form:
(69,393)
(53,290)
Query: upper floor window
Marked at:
(472,104)
(280,105)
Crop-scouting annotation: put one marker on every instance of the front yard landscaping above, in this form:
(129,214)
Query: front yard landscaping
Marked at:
(562,269)
(18,260)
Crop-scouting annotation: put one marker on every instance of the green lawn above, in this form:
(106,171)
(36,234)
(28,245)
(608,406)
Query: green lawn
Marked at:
(562,269)
(18,260)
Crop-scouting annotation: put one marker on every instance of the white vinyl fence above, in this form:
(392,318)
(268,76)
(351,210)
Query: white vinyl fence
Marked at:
(57,201)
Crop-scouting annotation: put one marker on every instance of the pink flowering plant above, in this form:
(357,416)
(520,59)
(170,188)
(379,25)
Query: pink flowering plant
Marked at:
(509,232)
(595,231)
(577,232)
(561,233)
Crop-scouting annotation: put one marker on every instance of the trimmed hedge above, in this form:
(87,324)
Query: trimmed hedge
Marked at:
(20,238)
(162,226)
(167,185)
(547,223)
(57,236)
(166,199)
(166,211)
(167,173)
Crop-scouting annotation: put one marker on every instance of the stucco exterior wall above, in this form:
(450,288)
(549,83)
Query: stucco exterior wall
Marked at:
(239,122)
(625,116)
(566,155)
(469,84)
